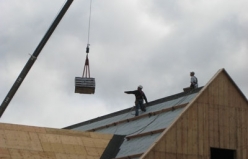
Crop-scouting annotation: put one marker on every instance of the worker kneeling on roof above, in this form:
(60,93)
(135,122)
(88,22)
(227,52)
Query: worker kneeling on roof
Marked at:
(139,99)
(193,81)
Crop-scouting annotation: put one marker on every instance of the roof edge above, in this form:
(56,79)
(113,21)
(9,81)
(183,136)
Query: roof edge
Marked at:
(239,90)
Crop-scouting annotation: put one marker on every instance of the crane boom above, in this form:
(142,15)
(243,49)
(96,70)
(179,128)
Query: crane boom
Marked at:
(33,58)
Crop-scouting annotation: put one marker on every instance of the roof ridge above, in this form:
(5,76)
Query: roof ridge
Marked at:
(145,134)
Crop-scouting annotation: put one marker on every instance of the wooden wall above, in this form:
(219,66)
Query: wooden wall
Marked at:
(28,142)
(217,118)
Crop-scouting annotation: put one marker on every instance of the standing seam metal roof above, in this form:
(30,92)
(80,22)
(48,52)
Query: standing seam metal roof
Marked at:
(151,120)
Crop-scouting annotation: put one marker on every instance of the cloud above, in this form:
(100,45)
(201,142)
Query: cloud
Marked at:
(152,43)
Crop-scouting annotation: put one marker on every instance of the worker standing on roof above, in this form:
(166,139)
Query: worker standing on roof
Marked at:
(193,81)
(139,99)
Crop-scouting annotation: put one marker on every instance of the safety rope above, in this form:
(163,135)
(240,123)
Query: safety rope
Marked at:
(123,118)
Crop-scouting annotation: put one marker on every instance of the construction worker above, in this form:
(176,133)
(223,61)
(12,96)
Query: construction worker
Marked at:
(139,99)
(193,81)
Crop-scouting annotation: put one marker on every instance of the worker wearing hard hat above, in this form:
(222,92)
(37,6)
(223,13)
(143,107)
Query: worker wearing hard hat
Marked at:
(139,99)
(193,81)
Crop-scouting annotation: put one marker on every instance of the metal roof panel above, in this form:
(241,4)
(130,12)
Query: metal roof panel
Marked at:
(143,125)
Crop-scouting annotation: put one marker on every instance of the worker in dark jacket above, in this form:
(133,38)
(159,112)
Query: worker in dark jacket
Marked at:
(139,99)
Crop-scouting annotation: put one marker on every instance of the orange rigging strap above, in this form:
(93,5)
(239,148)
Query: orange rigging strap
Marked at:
(86,72)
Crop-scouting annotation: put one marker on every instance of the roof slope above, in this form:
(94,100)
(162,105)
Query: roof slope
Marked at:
(23,142)
(216,117)
(142,130)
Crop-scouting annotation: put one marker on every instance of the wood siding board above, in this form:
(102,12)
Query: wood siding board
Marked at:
(181,156)
(171,138)
(244,131)
(206,122)
(221,127)
(244,113)
(190,132)
(232,128)
(193,157)
(160,146)
(235,102)
(170,156)
(151,155)
(225,128)
(166,142)
(234,116)
(221,111)
(244,147)
(157,154)
(194,121)
(206,131)
(200,127)
(246,140)
(211,125)
(184,133)
(231,118)
(239,129)
(211,115)
(179,136)
(162,155)
(225,115)
(215,90)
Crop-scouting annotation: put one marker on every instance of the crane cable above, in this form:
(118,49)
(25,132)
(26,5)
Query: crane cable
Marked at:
(86,72)
(89,24)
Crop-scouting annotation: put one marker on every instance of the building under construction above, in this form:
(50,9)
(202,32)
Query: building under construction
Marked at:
(210,122)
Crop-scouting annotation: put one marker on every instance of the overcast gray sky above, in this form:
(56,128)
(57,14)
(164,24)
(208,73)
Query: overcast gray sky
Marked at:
(152,43)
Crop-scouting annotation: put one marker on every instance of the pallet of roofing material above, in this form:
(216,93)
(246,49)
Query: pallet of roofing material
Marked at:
(85,85)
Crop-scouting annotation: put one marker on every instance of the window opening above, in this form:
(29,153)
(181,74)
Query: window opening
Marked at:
(217,153)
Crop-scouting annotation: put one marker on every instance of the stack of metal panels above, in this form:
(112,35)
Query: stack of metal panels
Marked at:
(85,85)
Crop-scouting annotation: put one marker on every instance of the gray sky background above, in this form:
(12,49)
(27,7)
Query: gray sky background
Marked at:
(152,43)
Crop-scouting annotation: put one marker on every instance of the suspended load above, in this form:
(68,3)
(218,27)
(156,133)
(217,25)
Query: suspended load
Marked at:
(85,84)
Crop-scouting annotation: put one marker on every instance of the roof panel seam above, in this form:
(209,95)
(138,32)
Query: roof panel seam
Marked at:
(140,116)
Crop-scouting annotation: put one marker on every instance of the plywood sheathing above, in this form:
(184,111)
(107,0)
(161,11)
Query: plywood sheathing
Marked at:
(217,117)
(28,142)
